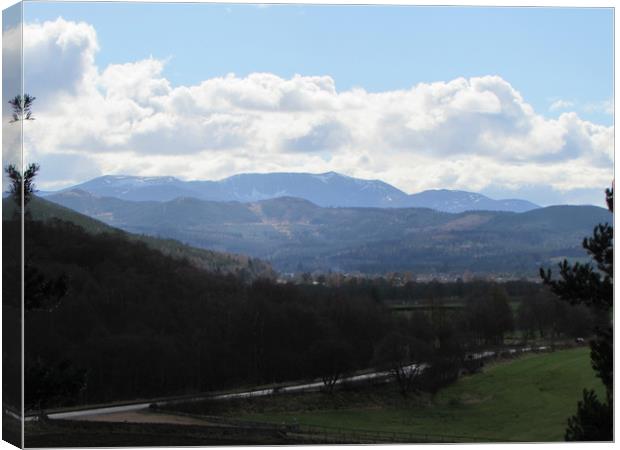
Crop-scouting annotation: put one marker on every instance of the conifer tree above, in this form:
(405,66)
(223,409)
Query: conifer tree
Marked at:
(592,286)
(22,107)
(19,183)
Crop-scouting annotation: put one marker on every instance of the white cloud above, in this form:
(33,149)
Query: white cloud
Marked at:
(59,57)
(604,106)
(560,105)
(11,86)
(462,134)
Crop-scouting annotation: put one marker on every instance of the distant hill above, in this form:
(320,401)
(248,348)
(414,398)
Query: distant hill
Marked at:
(327,189)
(460,201)
(227,263)
(297,235)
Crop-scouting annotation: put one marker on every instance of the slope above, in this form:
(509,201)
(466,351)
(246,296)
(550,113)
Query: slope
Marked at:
(228,263)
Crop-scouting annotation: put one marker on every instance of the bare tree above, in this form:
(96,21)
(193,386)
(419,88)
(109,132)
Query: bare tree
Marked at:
(405,358)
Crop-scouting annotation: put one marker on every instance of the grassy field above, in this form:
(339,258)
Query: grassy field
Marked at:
(528,399)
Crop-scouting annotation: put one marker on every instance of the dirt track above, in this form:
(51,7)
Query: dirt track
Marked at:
(145,417)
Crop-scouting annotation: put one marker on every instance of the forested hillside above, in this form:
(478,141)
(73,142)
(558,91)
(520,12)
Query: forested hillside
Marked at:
(296,235)
(245,267)
(144,324)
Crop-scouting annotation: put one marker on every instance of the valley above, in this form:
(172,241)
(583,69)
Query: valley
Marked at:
(184,321)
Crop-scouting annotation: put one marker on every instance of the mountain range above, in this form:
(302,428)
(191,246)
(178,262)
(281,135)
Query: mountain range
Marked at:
(294,234)
(327,190)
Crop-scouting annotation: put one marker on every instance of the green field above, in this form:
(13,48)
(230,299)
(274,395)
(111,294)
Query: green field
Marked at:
(528,399)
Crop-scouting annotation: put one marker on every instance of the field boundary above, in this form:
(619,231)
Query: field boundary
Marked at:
(338,434)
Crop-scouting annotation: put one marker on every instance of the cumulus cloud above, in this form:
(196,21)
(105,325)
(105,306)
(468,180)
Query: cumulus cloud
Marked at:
(463,133)
(59,57)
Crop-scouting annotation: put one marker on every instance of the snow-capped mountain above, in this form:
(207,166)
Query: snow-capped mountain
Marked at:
(326,189)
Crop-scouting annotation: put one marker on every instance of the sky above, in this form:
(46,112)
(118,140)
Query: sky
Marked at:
(509,102)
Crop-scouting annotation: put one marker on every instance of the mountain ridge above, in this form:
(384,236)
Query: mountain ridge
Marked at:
(329,189)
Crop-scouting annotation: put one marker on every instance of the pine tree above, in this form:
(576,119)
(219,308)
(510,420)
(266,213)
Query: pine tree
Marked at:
(22,107)
(19,183)
(592,286)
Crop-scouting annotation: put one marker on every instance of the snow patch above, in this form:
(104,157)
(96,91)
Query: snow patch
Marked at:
(325,177)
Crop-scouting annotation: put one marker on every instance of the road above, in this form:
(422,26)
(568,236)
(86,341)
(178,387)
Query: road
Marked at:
(302,387)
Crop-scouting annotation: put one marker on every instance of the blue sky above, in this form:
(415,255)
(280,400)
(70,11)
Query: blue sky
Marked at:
(548,54)
(510,102)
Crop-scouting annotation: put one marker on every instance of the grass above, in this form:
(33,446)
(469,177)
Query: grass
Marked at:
(66,433)
(528,399)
